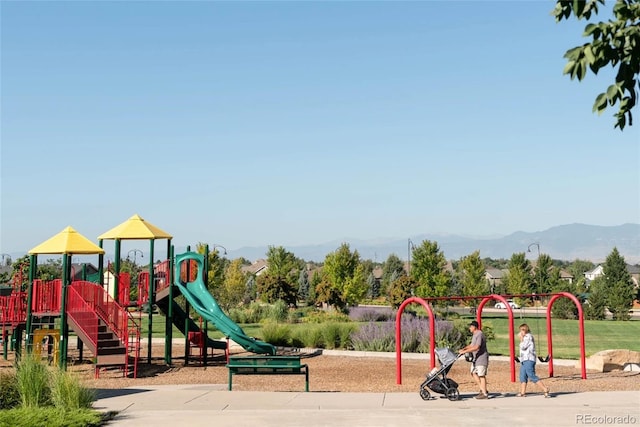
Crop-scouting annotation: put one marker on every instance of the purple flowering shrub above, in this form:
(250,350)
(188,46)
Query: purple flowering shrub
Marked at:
(381,336)
(371,314)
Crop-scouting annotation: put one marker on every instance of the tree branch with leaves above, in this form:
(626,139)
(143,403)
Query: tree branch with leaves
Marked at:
(615,42)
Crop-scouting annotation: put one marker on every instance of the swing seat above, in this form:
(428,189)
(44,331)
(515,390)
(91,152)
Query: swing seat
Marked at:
(543,359)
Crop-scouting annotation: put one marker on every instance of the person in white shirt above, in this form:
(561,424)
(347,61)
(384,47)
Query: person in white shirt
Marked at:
(528,362)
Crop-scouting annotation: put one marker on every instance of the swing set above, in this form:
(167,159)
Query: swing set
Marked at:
(426,303)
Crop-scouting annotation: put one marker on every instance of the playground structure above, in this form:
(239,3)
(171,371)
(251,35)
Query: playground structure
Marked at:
(46,311)
(425,302)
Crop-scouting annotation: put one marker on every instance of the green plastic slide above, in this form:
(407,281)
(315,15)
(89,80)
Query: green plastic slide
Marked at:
(206,305)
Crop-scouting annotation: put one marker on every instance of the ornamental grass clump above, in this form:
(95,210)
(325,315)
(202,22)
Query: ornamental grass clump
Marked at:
(276,333)
(67,393)
(33,382)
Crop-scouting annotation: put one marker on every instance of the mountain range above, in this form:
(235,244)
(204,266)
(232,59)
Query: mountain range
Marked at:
(565,242)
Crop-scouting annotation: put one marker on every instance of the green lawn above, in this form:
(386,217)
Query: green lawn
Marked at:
(599,335)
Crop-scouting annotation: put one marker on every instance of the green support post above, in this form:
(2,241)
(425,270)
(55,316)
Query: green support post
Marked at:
(33,265)
(152,292)
(168,343)
(64,333)
(101,265)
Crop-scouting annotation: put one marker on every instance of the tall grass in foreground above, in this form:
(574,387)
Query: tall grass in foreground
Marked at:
(33,382)
(68,393)
(34,395)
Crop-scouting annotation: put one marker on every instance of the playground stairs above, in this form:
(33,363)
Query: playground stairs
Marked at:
(106,328)
(107,350)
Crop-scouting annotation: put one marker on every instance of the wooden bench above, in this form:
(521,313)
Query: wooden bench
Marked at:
(267,365)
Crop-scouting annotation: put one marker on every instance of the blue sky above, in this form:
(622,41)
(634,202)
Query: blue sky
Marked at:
(287,123)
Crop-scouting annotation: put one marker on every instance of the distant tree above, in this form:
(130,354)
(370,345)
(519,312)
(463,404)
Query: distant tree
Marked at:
(303,285)
(280,282)
(471,272)
(392,269)
(233,289)
(272,288)
(541,274)
(618,283)
(284,264)
(578,267)
(563,308)
(597,302)
(371,282)
(401,289)
(518,280)
(50,270)
(428,271)
(251,289)
(217,267)
(344,272)
(614,43)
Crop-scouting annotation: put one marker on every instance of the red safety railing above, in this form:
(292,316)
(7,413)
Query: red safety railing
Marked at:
(112,313)
(162,273)
(133,347)
(83,314)
(46,296)
(124,289)
(13,308)
(143,287)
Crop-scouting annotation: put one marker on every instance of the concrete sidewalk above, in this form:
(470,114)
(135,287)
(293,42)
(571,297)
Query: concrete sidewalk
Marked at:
(212,405)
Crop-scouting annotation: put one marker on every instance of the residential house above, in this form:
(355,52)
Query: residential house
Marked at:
(494,276)
(257,268)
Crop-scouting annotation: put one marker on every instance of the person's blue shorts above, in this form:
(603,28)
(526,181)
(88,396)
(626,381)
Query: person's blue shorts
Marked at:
(528,371)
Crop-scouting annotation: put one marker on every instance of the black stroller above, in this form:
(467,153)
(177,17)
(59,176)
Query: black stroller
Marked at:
(437,380)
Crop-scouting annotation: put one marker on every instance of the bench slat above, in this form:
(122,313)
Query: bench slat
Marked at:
(267,365)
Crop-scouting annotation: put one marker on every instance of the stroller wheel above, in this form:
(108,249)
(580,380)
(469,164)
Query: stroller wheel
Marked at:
(452,394)
(424,393)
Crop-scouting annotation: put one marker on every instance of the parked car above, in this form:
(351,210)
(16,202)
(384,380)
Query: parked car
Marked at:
(501,305)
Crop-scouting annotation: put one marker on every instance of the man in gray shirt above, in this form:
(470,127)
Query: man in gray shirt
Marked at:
(480,363)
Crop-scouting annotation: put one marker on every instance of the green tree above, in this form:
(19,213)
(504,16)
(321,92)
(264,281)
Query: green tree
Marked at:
(272,288)
(563,308)
(518,279)
(578,267)
(50,270)
(401,289)
(619,286)
(614,43)
(471,272)
(281,278)
(597,302)
(233,289)
(217,267)
(428,271)
(392,269)
(344,273)
(541,275)
(303,285)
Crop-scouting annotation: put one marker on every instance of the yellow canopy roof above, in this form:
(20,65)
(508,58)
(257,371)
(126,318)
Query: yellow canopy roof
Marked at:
(68,241)
(135,228)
